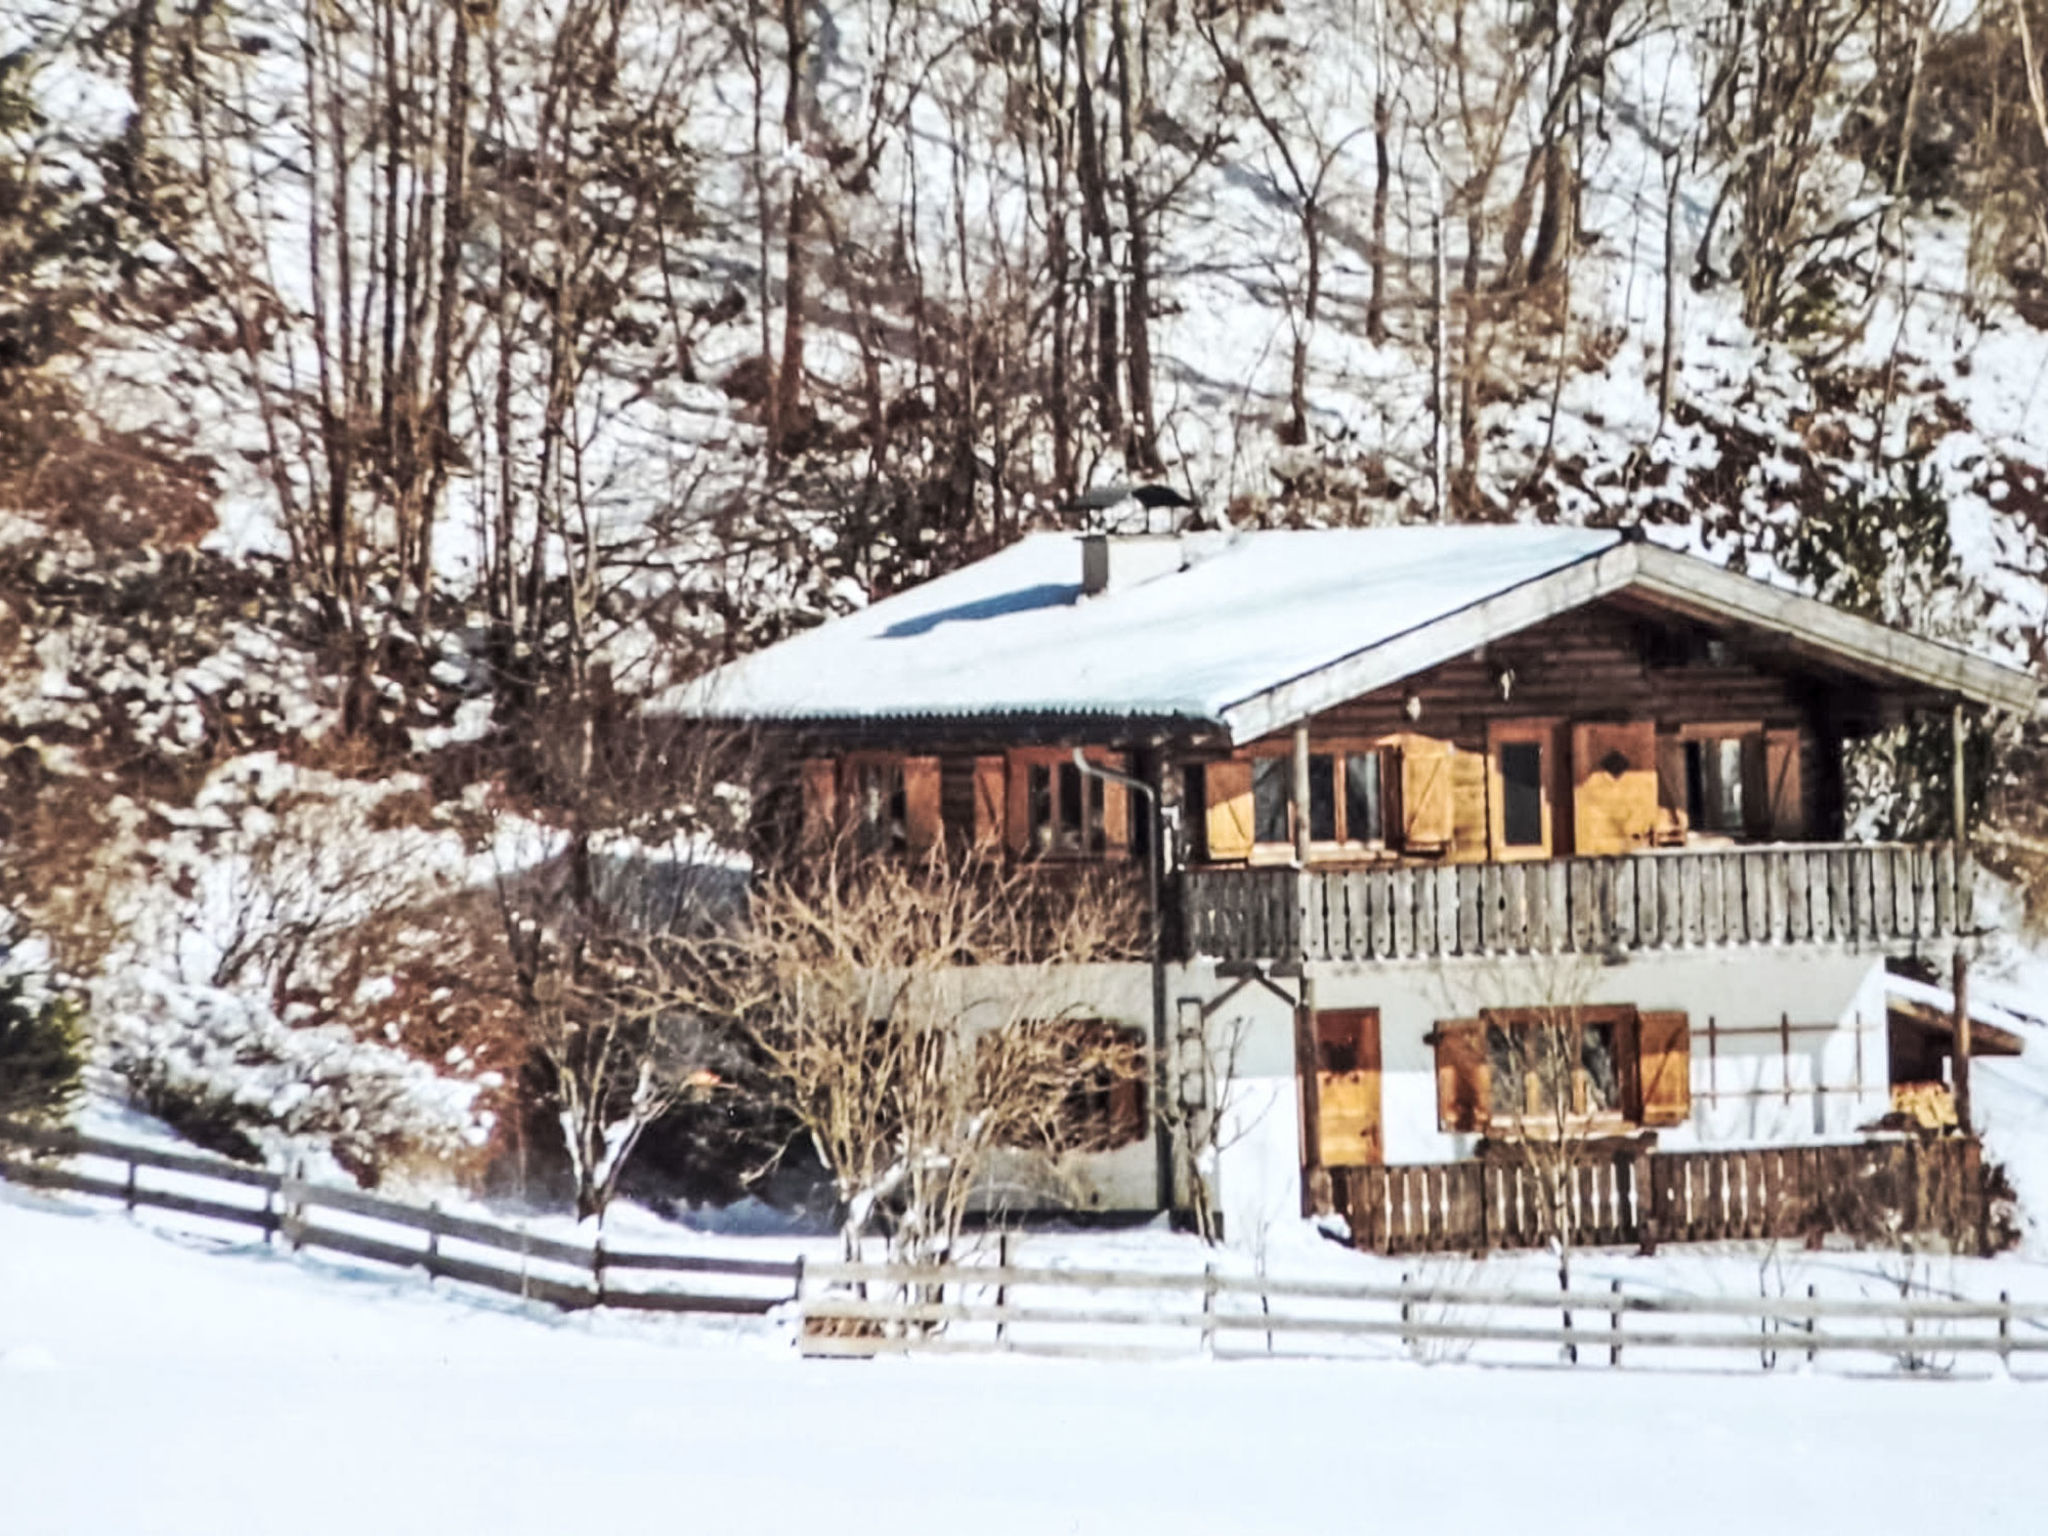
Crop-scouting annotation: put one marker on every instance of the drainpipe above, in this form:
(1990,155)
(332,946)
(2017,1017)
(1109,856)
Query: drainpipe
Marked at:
(1959,1042)
(1155,859)
(1315,1181)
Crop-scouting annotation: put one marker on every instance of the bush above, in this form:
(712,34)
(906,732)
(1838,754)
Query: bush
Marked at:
(42,1055)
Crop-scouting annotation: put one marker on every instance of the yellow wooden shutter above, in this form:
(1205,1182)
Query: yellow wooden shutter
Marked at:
(821,801)
(1228,793)
(1464,1088)
(921,824)
(988,803)
(1468,808)
(1428,808)
(1664,1067)
(1787,804)
(1614,812)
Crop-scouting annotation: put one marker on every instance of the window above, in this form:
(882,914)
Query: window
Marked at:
(1344,800)
(1550,1065)
(1521,801)
(1720,772)
(1270,793)
(877,807)
(1065,810)
(1713,784)
(1104,1106)
(1057,811)
(1519,791)
(1532,1071)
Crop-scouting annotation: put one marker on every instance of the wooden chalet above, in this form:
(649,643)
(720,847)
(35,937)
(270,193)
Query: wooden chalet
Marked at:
(1397,791)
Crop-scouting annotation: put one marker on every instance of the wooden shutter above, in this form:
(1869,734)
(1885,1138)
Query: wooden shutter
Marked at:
(988,803)
(1017,820)
(1428,808)
(1227,791)
(1468,808)
(1664,1067)
(1671,795)
(923,828)
(821,801)
(1116,811)
(1614,812)
(1786,818)
(1464,1090)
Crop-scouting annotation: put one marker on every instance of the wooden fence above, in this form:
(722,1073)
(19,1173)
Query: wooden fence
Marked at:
(1863,1189)
(510,1259)
(1878,896)
(873,1309)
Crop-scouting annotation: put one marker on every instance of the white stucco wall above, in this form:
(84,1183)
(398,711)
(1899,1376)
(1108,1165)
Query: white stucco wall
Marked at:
(1747,1089)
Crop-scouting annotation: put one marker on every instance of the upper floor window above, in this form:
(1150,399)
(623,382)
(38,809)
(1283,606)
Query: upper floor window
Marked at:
(1345,800)
(1057,811)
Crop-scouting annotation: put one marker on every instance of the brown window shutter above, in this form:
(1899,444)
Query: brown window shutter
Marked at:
(1464,1091)
(988,803)
(1428,808)
(1671,796)
(1017,819)
(1116,813)
(922,826)
(1664,1067)
(821,801)
(1227,790)
(1786,821)
(1615,812)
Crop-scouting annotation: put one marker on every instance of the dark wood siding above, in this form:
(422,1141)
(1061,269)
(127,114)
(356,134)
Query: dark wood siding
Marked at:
(1601,662)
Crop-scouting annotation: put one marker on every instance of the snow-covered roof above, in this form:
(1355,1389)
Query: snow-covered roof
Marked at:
(1252,631)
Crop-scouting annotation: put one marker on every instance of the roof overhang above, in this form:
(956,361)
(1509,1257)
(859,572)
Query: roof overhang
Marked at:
(1680,583)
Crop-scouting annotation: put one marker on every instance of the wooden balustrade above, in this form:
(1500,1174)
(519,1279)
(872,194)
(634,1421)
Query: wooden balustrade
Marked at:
(1862,1189)
(1876,896)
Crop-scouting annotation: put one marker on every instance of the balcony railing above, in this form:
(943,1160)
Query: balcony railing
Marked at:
(1879,896)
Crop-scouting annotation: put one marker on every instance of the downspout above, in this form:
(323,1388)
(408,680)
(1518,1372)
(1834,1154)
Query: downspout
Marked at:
(1959,1042)
(1155,859)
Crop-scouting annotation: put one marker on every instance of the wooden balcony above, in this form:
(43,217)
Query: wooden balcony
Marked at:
(1877,896)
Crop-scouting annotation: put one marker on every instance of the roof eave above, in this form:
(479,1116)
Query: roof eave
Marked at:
(1680,582)
(1705,590)
(1429,645)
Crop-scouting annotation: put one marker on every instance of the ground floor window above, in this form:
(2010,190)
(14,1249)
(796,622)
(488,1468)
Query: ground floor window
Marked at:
(1554,1070)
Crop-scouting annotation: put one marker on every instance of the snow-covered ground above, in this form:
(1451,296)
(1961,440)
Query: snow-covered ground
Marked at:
(158,1385)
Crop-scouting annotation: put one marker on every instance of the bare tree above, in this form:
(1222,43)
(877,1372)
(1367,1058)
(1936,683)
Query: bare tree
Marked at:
(914,1018)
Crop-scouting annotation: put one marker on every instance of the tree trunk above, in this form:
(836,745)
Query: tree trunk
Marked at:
(1142,452)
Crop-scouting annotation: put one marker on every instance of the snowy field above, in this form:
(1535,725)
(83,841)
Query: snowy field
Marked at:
(153,1385)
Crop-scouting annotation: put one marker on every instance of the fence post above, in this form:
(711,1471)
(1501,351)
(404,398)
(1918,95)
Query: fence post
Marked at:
(295,1206)
(1407,1313)
(1614,1324)
(131,1186)
(1646,1202)
(1812,1321)
(269,1214)
(1209,1308)
(597,1271)
(1002,1290)
(2005,1331)
(433,1239)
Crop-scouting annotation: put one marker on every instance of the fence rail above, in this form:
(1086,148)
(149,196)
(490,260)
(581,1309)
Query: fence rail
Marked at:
(576,1275)
(1642,1198)
(1878,896)
(873,1309)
